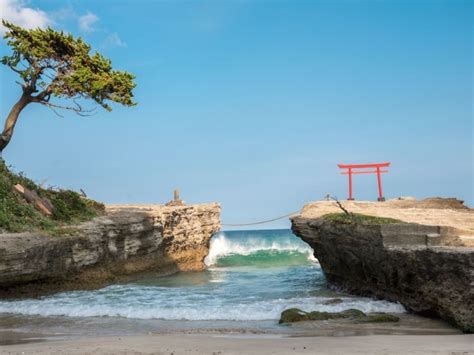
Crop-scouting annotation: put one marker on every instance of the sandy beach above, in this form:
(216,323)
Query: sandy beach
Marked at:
(412,335)
(228,344)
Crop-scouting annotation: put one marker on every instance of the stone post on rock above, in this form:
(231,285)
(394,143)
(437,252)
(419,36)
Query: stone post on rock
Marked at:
(176,199)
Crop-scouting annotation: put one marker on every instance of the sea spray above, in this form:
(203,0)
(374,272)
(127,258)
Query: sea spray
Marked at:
(239,248)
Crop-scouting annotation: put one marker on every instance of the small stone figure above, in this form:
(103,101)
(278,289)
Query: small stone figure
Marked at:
(176,201)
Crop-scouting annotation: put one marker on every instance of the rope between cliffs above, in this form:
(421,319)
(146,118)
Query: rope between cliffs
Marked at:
(260,222)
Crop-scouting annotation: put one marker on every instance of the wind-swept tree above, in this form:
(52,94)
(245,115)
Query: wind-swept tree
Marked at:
(55,64)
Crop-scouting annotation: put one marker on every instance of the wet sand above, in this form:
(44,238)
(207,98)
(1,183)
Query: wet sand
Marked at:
(245,344)
(103,335)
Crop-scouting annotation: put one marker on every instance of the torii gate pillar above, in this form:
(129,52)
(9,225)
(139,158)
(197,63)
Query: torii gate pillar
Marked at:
(377,169)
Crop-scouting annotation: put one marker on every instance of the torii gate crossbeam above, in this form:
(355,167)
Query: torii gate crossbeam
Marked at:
(377,170)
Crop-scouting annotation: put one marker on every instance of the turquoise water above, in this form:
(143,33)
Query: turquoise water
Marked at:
(251,276)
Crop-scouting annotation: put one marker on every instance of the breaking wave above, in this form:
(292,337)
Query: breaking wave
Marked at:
(259,252)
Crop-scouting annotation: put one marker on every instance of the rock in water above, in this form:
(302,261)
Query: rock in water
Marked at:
(381,318)
(293,315)
(353,313)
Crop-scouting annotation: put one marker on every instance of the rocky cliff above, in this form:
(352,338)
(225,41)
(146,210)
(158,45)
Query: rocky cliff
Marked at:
(428,269)
(109,248)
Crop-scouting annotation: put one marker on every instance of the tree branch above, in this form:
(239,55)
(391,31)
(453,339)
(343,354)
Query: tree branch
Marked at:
(42,96)
(78,110)
(18,71)
(339,204)
(34,78)
(56,112)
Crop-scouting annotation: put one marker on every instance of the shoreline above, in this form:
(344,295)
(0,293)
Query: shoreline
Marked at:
(251,344)
(23,330)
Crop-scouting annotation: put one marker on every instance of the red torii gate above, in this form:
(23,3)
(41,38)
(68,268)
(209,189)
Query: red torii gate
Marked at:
(378,170)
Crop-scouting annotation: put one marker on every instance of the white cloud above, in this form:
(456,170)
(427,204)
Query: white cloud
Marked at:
(113,40)
(17,12)
(63,14)
(87,21)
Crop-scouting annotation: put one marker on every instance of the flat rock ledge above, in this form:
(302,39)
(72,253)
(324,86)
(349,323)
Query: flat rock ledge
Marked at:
(428,269)
(126,241)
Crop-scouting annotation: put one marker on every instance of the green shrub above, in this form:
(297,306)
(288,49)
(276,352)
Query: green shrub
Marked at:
(357,218)
(70,206)
(16,215)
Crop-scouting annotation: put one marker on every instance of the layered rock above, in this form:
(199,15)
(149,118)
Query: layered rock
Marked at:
(428,269)
(125,241)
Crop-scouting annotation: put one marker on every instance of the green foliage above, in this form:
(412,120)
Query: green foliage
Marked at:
(357,218)
(60,65)
(69,206)
(16,215)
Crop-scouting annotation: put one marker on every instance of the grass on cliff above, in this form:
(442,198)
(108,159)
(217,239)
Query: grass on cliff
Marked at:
(17,215)
(357,218)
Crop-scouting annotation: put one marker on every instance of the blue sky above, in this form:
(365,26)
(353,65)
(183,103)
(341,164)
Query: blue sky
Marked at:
(253,103)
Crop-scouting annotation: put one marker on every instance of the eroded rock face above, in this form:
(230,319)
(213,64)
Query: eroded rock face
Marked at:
(407,263)
(125,241)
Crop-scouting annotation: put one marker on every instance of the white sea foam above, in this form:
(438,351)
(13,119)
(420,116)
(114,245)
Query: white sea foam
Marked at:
(143,307)
(222,246)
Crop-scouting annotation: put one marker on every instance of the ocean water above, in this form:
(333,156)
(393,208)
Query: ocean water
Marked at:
(252,276)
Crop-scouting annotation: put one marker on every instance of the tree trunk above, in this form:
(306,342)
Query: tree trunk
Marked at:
(41,204)
(11,120)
